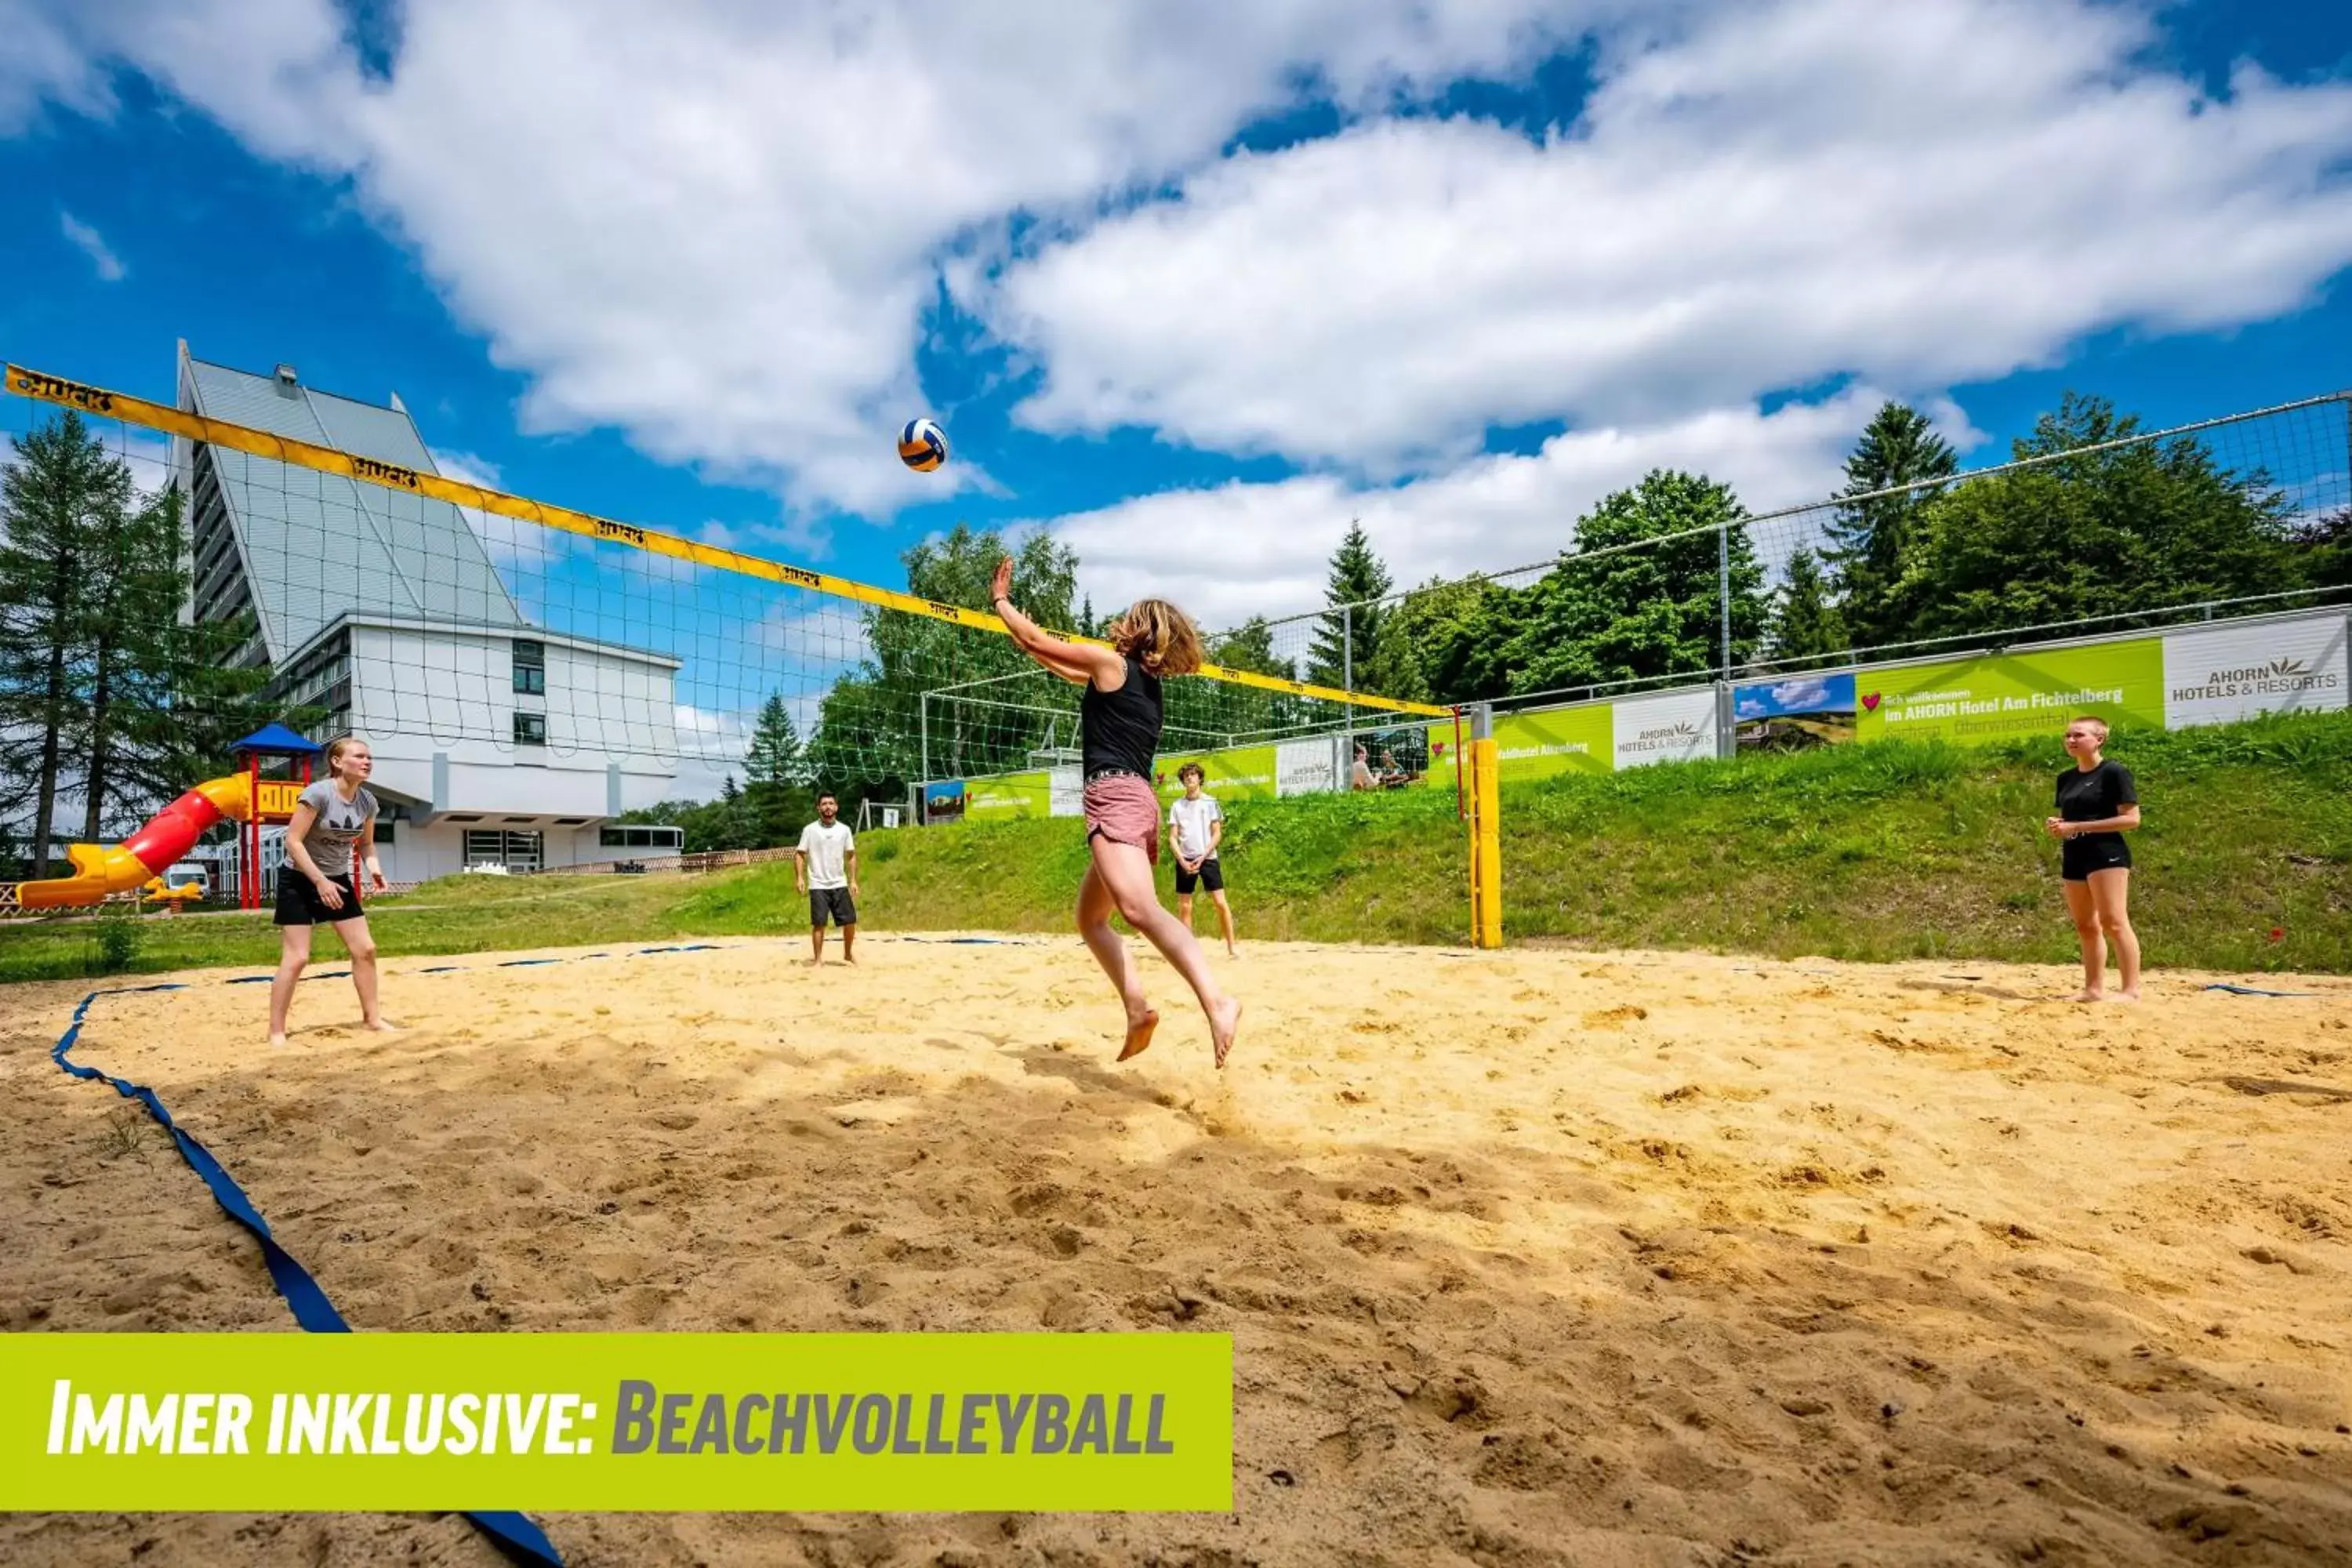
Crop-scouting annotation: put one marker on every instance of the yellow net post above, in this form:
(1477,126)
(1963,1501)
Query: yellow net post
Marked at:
(1486,833)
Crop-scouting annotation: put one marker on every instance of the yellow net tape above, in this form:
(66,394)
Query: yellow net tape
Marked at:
(392,476)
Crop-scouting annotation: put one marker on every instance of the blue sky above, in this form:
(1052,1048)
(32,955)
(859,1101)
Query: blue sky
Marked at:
(1191,294)
(1803,694)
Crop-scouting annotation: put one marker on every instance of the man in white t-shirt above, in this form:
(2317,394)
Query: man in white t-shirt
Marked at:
(1197,822)
(824,866)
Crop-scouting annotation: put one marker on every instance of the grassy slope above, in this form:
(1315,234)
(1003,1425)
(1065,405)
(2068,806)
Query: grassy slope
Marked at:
(1884,851)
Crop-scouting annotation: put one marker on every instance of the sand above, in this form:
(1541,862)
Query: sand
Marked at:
(1543,1257)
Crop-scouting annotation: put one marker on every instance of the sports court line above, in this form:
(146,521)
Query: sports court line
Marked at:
(512,1532)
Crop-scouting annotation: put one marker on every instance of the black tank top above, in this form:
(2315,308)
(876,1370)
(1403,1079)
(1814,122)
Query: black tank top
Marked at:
(1120,729)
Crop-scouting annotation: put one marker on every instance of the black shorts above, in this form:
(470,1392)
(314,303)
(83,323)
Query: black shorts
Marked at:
(1211,876)
(2078,857)
(833,901)
(299,903)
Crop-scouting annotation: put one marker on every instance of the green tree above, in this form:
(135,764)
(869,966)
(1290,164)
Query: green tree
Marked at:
(1610,613)
(1450,641)
(1206,714)
(777,797)
(1347,646)
(1806,627)
(1871,539)
(2136,527)
(58,501)
(867,739)
(2326,545)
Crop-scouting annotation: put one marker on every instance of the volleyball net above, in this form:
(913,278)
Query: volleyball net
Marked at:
(179,574)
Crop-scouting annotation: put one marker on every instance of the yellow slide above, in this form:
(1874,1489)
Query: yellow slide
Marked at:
(103,870)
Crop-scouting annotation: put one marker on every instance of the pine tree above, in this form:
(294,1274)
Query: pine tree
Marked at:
(775,758)
(131,660)
(777,765)
(57,501)
(1347,637)
(1806,627)
(1872,540)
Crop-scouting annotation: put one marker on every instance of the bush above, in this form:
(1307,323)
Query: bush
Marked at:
(120,937)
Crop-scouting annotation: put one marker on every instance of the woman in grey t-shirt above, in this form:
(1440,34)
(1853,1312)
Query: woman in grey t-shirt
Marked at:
(333,826)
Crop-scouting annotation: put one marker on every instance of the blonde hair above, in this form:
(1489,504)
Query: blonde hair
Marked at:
(341,743)
(1159,637)
(2092,720)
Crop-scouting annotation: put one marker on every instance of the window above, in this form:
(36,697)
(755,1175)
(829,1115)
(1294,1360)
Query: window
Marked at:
(531,729)
(633,838)
(495,846)
(531,668)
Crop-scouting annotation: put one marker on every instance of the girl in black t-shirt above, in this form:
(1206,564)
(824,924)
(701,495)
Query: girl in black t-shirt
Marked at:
(2097,802)
(1119,719)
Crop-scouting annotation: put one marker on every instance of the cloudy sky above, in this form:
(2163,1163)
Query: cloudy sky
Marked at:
(1191,286)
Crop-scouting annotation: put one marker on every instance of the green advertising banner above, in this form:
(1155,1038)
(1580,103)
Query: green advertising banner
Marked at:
(1565,740)
(1011,796)
(1996,696)
(645,1422)
(1245,773)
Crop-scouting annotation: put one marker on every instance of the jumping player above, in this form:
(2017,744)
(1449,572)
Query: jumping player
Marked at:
(2098,804)
(1198,823)
(1119,719)
(317,886)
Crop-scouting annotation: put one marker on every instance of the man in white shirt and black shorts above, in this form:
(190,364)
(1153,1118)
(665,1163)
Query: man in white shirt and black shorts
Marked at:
(824,866)
(1198,824)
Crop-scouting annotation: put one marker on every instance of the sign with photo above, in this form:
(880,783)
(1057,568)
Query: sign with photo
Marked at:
(1795,713)
(943,801)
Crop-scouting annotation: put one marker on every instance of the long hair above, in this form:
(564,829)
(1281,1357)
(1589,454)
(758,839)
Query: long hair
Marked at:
(1159,637)
(336,749)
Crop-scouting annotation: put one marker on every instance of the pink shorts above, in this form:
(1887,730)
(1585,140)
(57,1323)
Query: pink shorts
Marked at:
(1125,810)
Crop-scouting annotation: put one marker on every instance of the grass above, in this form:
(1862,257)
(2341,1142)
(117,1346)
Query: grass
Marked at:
(1891,850)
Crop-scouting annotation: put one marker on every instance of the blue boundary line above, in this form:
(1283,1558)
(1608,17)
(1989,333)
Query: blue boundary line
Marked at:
(512,1532)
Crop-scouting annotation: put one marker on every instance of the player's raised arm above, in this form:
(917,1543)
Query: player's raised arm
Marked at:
(1074,662)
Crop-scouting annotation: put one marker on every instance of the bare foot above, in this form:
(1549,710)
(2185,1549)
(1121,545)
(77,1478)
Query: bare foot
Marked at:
(1138,1034)
(2132,995)
(383,1027)
(816,963)
(277,1041)
(1223,1024)
(2089,996)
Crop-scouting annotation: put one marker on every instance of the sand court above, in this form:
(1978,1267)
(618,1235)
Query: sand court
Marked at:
(1538,1256)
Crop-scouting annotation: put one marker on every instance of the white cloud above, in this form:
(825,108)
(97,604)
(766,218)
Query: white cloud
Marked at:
(92,244)
(45,62)
(1921,196)
(717,227)
(711,745)
(1243,550)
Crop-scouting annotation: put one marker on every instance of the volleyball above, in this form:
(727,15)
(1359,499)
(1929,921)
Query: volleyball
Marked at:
(922,445)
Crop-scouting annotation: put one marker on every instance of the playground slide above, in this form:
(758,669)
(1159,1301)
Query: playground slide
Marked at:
(98,869)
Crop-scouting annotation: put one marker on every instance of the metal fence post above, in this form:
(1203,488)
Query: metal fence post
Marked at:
(925,723)
(1347,684)
(1723,581)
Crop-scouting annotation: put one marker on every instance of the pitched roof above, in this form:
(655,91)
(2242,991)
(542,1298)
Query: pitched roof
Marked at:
(313,545)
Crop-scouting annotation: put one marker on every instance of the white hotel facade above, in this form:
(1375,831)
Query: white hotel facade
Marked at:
(496,742)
